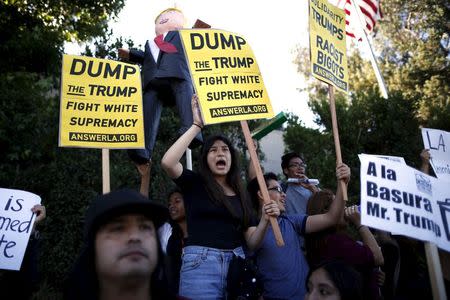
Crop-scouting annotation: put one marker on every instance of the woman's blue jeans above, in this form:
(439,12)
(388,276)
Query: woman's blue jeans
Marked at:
(204,272)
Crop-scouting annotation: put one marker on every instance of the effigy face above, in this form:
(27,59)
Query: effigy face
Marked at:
(168,21)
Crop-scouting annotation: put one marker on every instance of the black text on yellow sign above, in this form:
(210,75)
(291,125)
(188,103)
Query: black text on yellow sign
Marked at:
(226,76)
(328,44)
(101,104)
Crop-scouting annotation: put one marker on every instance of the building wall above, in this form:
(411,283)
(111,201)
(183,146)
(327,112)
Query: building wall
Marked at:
(272,145)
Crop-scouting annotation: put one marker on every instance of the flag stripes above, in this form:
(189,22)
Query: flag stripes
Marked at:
(369,8)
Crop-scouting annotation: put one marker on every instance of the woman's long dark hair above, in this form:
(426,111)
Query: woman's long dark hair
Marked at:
(346,279)
(233,179)
(318,203)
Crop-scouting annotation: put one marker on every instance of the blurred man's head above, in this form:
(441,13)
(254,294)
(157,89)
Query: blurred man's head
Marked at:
(122,226)
(126,247)
(121,250)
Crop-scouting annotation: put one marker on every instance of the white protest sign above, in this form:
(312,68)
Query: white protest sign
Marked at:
(438,142)
(401,199)
(16,223)
(398,159)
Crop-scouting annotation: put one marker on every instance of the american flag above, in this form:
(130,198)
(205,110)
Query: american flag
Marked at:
(370,10)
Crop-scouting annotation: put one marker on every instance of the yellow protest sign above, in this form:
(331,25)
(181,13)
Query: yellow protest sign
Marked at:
(328,47)
(101,104)
(226,76)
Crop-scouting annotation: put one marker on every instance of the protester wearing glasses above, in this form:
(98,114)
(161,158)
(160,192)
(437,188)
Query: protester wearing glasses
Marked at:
(283,270)
(297,193)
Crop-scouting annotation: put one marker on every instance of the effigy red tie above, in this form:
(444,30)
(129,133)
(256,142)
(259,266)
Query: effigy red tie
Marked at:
(165,46)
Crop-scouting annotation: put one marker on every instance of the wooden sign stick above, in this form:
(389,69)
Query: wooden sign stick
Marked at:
(105,171)
(433,261)
(261,182)
(435,271)
(337,144)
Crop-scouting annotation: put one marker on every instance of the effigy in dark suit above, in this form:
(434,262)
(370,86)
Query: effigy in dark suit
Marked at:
(166,80)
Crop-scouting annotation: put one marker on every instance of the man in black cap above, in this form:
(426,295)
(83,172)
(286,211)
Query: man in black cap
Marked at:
(121,258)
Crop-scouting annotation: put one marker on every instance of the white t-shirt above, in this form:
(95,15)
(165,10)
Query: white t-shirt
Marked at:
(154,49)
(164,233)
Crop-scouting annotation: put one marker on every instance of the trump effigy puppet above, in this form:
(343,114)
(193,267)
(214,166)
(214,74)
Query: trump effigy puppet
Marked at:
(165,80)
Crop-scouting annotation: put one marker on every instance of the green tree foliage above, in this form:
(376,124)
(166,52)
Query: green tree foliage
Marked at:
(416,57)
(70,20)
(32,33)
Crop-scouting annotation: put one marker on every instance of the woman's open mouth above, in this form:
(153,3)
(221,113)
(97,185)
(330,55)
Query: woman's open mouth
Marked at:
(221,163)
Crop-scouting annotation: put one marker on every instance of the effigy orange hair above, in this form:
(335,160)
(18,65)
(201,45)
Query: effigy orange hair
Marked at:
(167,10)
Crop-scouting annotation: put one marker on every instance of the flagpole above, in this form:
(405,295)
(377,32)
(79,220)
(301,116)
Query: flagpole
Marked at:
(366,42)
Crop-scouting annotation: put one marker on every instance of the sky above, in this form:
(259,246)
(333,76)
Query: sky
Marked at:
(272,30)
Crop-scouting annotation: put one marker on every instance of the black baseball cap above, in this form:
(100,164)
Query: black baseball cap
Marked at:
(120,202)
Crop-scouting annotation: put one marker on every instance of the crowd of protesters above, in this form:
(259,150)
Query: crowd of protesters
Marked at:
(215,241)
